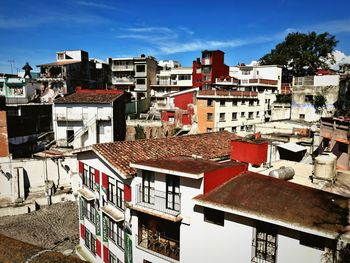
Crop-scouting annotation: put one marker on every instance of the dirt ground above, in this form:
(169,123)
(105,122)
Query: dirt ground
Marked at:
(53,227)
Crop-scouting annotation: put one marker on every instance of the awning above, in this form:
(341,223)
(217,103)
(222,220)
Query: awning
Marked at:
(114,213)
(86,194)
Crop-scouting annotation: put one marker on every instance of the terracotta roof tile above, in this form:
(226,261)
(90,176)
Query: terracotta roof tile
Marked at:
(276,199)
(88,97)
(207,145)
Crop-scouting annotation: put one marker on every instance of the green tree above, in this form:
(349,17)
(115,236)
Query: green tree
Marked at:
(302,54)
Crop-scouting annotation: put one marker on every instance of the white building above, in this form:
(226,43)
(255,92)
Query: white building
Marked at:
(88,117)
(19,90)
(304,91)
(170,81)
(134,75)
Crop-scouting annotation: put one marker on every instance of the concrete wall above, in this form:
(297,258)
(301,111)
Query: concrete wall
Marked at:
(34,172)
(280,111)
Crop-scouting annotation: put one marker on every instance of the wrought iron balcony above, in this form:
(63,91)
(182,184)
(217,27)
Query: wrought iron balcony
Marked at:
(160,201)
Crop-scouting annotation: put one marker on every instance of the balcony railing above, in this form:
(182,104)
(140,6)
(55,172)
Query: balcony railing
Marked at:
(159,243)
(158,201)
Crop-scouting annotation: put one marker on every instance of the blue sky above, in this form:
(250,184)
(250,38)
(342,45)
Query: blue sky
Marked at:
(245,30)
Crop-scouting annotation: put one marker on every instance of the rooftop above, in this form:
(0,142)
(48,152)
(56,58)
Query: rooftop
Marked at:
(183,165)
(88,97)
(12,250)
(119,155)
(280,202)
(59,63)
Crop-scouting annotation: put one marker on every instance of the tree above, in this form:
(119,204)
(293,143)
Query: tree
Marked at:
(302,54)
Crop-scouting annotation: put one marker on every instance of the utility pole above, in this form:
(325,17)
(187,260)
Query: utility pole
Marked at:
(11,61)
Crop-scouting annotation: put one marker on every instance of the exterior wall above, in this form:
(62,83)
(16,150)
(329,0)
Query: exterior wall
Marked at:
(327,85)
(196,74)
(83,117)
(249,152)
(4,148)
(242,123)
(62,172)
(99,229)
(208,242)
(280,111)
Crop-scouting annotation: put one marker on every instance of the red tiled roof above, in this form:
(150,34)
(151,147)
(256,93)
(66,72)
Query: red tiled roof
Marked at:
(14,251)
(207,145)
(186,164)
(88,97)
(279,200)
(59,63)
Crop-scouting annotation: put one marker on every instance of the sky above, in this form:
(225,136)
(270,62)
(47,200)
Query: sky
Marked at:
(33,31)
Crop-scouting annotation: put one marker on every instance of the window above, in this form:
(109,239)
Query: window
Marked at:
(234,116)
(88,177)
(115,193)
(222,116)
(222,103)
(210,102)
(302,116)
(214,216)
(140,68)
(141,81)
(185,77)
(111,257)
(209,129)
(258,114)
(250,115)
(249,128)
(234,103)
(206,69)
(221,129)
(198,70)
(115,232)
(265,243)
(88,209)
(209,116)
(90,241)
(242,114)
(245,72)
(148,187)
(242,128)
(234,129)
(309,98)
(243,102)
(173,192)
(251,103)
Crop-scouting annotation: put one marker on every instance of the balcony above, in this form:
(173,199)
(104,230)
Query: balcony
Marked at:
(260,82)
(123,67)
(158,201)
(159,244)
(68,117)
(123,80)
(226,81)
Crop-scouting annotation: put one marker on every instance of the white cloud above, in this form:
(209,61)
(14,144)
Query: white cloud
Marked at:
(95,4)
(340,58)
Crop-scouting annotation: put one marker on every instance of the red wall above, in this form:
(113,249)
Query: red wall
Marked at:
(249,152)
(98,247)
(165,115)
(219,69)
(182,100)
(195,75)
(82,231)
(105,254)
(216,178)
(97,176)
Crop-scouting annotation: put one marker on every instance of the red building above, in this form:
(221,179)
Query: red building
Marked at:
(205,71)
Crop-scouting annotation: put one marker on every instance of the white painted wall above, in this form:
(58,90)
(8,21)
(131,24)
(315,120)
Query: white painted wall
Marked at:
(76,116)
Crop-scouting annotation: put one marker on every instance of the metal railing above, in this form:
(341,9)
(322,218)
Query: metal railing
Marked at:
(158,201)
(159,243)
(82,130)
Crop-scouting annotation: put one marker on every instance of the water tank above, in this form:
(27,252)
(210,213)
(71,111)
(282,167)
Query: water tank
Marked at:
(325,166)
(284,173)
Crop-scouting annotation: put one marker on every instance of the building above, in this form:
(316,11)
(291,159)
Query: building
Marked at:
(135,75)
(88,117)
(206,70)
(70,70)
(234,111)
(251,218)
(170,81)
(100,74)
(305,90)
(4,146)
(334,136)
(106,187)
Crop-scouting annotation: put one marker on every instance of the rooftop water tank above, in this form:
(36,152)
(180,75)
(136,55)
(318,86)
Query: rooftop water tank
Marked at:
(325,166)
(284,173)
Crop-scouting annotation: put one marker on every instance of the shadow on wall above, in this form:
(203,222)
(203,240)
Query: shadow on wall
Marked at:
(26,183)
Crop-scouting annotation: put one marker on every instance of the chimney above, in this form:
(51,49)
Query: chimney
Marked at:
(4,150)
(249,151)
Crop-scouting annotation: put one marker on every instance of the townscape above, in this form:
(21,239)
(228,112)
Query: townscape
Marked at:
(139,159)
